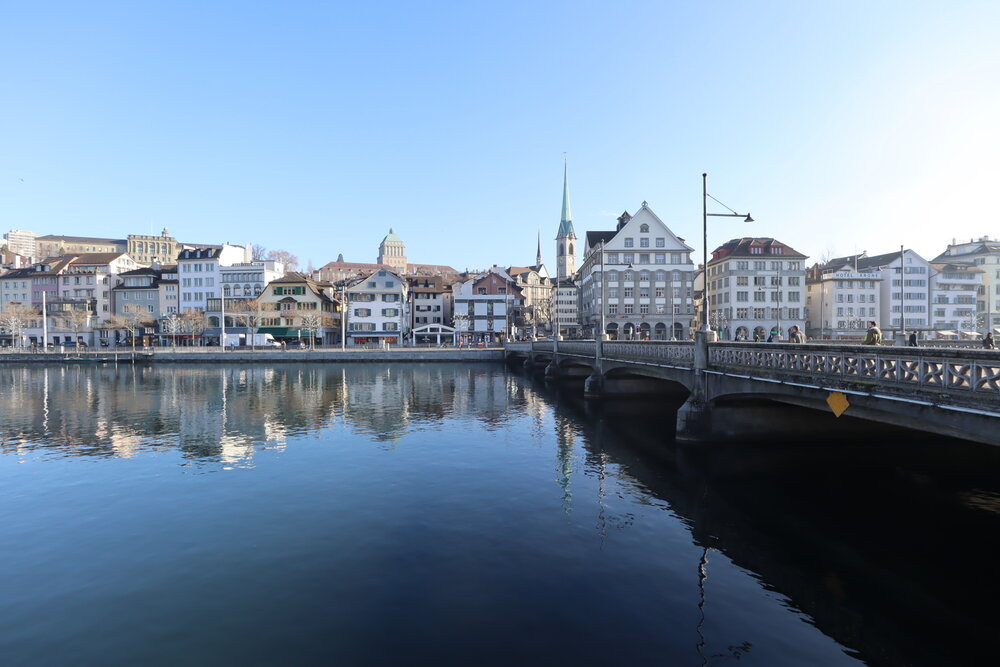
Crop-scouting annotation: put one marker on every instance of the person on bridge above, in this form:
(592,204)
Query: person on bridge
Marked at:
(874,335)
(796,336)
(913,339)
(988,342)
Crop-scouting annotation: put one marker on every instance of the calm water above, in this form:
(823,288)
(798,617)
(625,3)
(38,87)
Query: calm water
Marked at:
(437,514)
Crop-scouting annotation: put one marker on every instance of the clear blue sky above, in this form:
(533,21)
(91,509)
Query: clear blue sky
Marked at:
(314,127)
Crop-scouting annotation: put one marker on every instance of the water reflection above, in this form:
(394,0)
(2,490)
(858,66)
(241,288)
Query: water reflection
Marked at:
(484,494)
(222,413)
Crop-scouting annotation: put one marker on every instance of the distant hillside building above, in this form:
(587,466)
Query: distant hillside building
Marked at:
(392,252)
(22,242)
(52,245)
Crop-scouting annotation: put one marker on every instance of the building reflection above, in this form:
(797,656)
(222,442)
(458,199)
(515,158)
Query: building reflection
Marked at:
(226,413)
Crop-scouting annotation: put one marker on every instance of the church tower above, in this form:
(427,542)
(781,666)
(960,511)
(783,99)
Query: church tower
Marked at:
(566,238)
(392,252)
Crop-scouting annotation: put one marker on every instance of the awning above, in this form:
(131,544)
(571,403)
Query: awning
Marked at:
(285,332)
(971,333)
(945,333)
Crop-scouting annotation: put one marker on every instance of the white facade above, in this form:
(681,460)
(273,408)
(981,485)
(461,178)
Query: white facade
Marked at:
(200,275)
(22,242)
(566,309)
(378,309)
(983,253)
(907,298)
(954,290)
(756,289)
(649,280)
(246,280)
(840,301)
(485,306)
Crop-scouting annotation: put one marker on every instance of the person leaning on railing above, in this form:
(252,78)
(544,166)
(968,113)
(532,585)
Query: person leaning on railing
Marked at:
(874,335)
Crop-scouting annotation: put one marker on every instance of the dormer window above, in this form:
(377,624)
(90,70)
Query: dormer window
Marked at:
(776,250)
(644,229)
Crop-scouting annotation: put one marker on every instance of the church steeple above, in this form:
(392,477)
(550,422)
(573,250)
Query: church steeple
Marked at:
(566,238)
(538,256)
(566,221)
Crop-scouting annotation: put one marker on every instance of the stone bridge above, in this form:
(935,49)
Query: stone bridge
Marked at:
(733,388)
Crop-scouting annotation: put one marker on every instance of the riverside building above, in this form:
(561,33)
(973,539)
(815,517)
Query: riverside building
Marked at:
(645,287)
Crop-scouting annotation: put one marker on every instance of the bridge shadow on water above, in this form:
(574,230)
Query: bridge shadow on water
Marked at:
(883,536)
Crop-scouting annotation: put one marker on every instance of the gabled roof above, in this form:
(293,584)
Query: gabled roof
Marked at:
(879,261)
(741,248)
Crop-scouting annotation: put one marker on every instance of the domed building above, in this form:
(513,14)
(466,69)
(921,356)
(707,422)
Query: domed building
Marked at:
(392,252)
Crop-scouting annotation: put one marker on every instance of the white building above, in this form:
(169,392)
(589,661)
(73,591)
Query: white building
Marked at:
(840,300)
(954,290)
(200,275)
(907,299)
(22,242)
(650,278)
(985,254)
(485,306)
(756,289)
(378,309)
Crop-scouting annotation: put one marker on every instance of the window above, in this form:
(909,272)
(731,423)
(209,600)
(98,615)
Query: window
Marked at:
(628,258)
(644,292)
(613,276)
(661,276)
(644,229)
(612,309)
(480,290)
(661,258)
(628,292)
(643,308)
(644,243)
(612,292)
(644,275)
(629,243)
(628,309)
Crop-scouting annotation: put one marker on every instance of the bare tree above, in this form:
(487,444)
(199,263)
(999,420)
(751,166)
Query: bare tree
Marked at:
(195,321)
(250,314)
(14,318)
(172,325)
(290,261)
(259,251)
(313,322)
(131,321)
(76,320)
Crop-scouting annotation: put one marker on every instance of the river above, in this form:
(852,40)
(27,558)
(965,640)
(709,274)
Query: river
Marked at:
(373,514)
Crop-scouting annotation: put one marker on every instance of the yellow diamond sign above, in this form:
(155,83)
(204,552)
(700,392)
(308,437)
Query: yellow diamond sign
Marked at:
(837,402)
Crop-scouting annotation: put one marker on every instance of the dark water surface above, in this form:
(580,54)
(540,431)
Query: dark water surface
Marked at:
(442,514)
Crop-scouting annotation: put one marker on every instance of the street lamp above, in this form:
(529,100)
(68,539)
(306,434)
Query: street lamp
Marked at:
(705,328)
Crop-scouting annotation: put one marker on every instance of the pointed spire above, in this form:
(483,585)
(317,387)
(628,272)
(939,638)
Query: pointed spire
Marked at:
(566,221)
(538,256)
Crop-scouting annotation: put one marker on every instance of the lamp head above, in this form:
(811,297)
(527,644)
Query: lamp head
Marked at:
(749,219)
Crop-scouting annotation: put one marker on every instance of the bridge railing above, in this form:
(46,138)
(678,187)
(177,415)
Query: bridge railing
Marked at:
(922,369)
(668,353)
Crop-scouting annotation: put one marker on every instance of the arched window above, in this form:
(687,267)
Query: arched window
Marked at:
(571,248)
(644,229)
(675,276)
(247,290)
(612,275)
(644,275)
(562,250)
(213,321)
(628,276)
(661,275)
(256,290)
(225,290)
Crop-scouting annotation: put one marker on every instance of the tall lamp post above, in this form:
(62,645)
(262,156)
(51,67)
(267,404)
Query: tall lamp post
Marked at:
(705,328)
